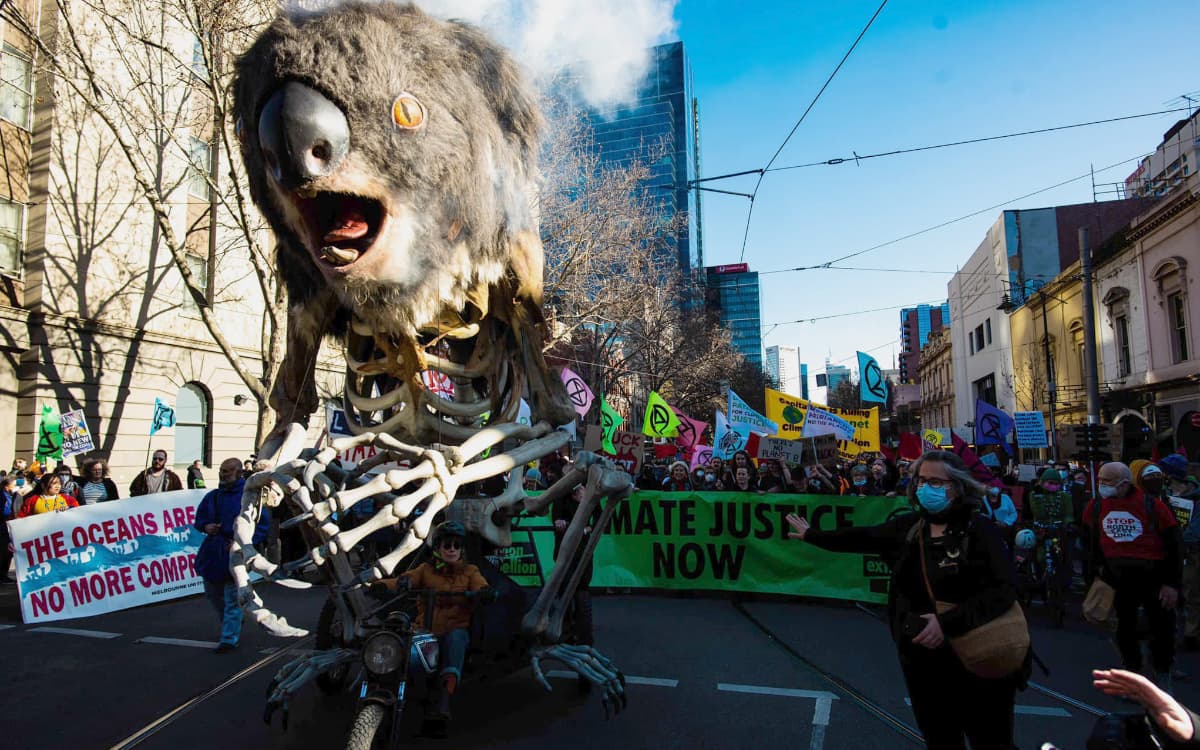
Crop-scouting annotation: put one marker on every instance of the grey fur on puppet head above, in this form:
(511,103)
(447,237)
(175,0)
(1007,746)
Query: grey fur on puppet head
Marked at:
(456,191)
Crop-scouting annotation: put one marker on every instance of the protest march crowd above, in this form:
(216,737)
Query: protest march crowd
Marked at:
(977,549)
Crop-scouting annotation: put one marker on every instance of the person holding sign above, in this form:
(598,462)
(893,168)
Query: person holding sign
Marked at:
(951,573)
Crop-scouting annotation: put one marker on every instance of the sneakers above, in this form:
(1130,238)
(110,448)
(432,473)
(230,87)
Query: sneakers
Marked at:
(224,648)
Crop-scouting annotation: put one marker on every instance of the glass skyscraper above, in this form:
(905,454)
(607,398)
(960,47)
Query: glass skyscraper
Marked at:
(732,293)
(664,115)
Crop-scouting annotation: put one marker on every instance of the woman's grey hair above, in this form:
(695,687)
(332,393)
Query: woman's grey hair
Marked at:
(960,475)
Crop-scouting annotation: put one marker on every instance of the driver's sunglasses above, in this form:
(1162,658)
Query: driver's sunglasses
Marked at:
(160,458)
(452,544)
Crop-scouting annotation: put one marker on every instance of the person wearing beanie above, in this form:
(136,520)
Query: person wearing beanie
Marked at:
(1049,503)
(677,479)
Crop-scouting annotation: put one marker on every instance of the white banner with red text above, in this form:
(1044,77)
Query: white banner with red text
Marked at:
(109,556)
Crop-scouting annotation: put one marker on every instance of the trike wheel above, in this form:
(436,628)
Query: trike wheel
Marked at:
(366,726)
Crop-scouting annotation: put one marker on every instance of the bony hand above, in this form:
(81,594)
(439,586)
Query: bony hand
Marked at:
(799,526)
(931,637)
(1168,596)
(212,528)
(560,525)
(1164,710)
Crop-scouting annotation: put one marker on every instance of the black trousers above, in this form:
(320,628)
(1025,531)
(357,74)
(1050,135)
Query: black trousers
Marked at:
(952,705)
(1137,587)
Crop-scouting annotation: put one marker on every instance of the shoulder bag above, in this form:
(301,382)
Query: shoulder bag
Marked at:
(993,650)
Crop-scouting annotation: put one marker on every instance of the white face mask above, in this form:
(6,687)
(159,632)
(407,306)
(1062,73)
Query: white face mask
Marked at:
(1108,492)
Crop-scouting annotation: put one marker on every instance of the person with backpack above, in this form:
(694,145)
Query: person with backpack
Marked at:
(951,573)
(1136,548)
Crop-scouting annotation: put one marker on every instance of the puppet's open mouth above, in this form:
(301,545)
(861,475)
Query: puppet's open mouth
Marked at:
(341,226)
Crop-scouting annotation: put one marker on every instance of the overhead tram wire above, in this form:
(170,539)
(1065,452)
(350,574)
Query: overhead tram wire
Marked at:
(917,149)
(762,173)
(949,222)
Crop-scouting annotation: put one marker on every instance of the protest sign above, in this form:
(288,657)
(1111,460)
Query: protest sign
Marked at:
(789,451)
(1026,472)
(1031,429)
(936,437)
(106,557)
(1182,508)
(741,415)
(821,450)
(76,438)
(821,422)
(791,412)
(629,451)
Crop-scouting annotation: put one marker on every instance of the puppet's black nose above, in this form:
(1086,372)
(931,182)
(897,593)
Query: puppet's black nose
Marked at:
(303,135)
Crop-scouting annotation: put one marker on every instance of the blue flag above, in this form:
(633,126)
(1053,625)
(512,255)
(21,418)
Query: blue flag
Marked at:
(164,416)
(872,385)
(992,425)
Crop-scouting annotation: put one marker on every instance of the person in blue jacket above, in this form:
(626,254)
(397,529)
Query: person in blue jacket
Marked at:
(215,517)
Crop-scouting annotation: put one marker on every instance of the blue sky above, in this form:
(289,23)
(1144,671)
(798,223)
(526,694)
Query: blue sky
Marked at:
(927,72)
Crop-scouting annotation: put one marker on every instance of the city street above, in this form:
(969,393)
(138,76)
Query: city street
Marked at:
(702,673)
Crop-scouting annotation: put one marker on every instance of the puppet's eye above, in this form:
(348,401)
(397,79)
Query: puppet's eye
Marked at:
(407,112)
(239,129)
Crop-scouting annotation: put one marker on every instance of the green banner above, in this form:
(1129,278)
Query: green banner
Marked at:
(722,541)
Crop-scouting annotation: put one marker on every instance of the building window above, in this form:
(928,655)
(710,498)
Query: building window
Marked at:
(1121,328)
(16,87)
(971,342)
(1177,319)
(979,338)
(199,67)
(1076,329)
(985,389)
(200,159)
(12,236)
(987,327)
(192,412)
(199,268)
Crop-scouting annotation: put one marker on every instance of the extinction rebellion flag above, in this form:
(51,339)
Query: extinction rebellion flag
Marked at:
(660,420)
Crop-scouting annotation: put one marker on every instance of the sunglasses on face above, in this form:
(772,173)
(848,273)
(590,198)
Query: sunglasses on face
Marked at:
(451,544)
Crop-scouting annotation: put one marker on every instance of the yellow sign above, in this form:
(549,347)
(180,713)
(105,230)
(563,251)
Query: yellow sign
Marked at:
(789,413)
(935,438)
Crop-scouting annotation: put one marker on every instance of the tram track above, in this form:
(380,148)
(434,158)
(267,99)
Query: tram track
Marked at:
(162,722)
(900,726)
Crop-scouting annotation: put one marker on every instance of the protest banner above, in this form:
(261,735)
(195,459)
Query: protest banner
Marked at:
(791,412)
(629,451)
(728,439)
(76,438)
(660,420)
(107,557)
(936,437)
(1031,429)
(821,422)
(873,386)
(581,396)
(610,420)
(49,434)
(738,542)
(790,451)
(701,455)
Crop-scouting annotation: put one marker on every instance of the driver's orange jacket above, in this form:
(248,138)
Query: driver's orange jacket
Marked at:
(449,612)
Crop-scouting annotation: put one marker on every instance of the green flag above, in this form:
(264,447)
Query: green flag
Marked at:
(660,420)
(49,434)
(609,422)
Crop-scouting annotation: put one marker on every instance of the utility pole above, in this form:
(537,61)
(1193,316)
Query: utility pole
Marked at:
(1090,366)
(1051,381)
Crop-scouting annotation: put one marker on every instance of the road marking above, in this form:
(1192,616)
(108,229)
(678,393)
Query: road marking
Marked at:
(821,710)
(7,627)
(1048,711)
(629,679)
(73,631)
(177,642)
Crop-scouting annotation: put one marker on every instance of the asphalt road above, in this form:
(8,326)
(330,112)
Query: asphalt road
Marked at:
(702,674)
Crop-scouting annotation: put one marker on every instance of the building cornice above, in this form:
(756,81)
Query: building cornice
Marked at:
(1163,215)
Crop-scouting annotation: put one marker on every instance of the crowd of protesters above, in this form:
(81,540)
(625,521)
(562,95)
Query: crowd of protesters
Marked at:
(30,488)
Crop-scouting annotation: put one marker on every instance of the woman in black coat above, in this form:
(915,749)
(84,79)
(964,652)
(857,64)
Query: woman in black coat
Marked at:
(968,566)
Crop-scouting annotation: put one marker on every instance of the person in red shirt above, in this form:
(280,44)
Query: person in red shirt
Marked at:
(1136,549)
